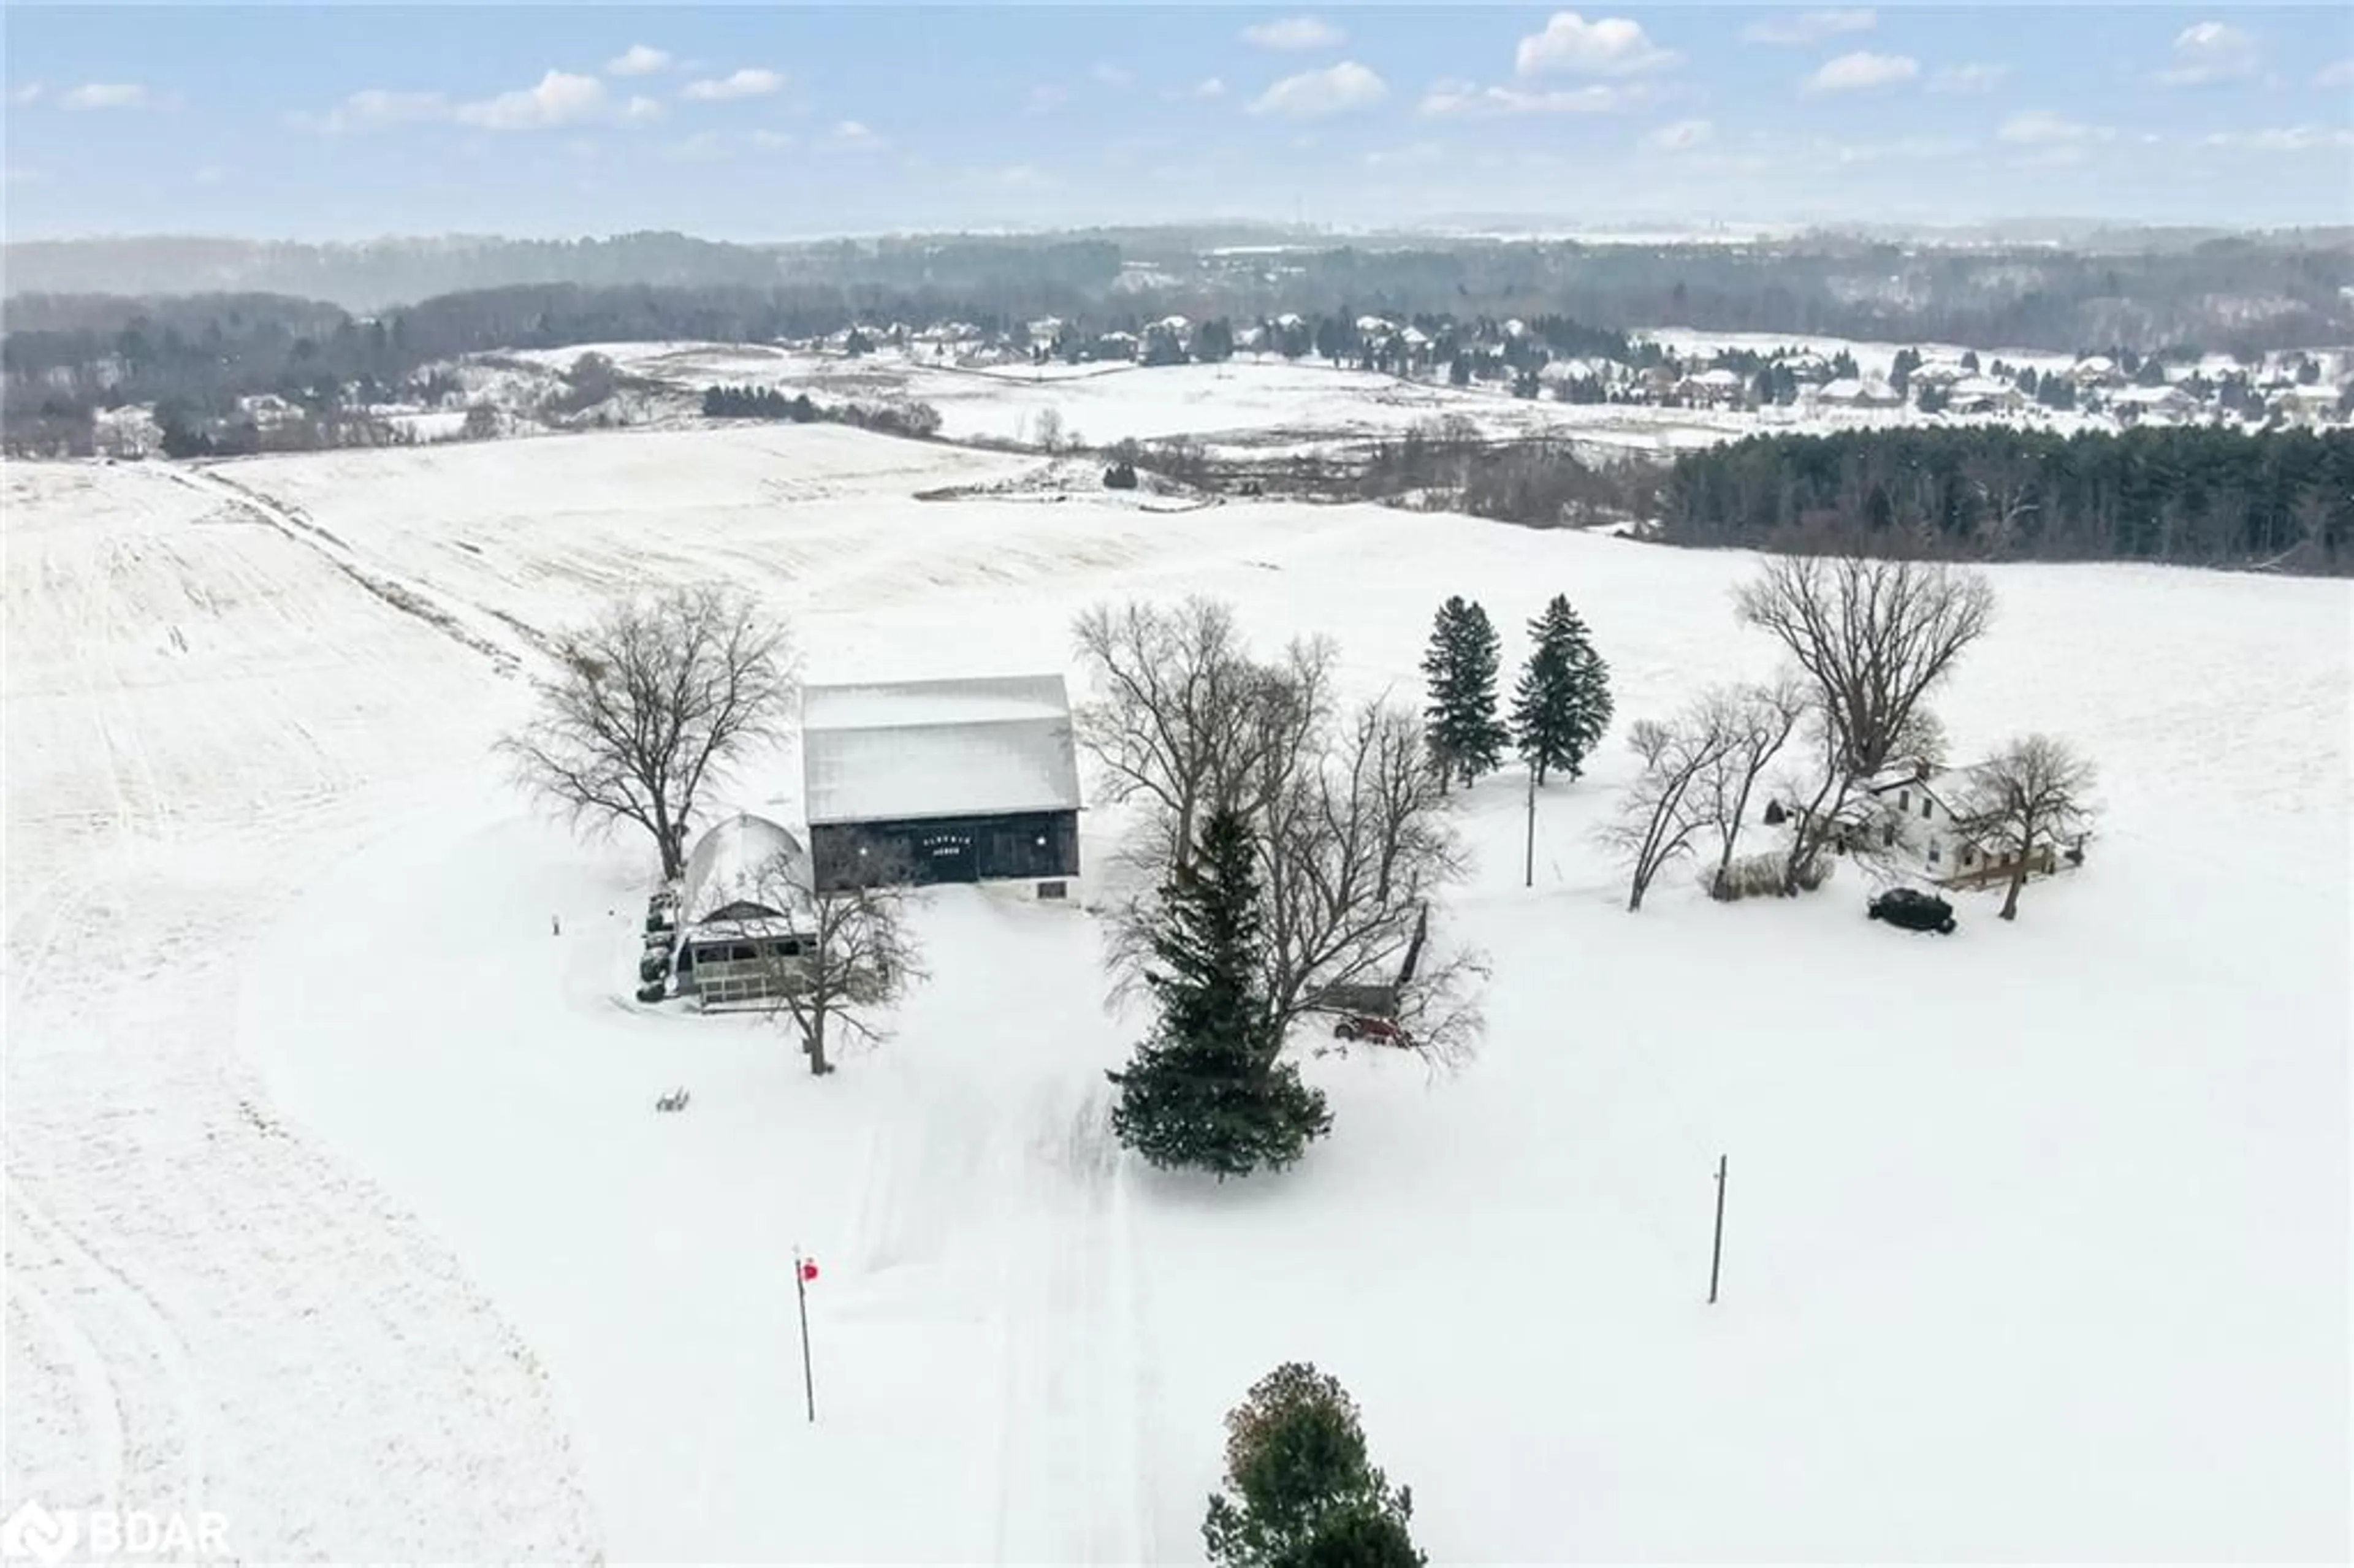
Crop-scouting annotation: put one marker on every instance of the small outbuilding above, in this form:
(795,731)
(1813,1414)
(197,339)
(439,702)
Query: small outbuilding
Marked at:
(737,940)
(967,779)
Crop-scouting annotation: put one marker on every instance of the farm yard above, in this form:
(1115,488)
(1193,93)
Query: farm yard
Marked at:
(337,1201)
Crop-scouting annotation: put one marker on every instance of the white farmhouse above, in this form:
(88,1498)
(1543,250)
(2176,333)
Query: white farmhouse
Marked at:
(1920,828)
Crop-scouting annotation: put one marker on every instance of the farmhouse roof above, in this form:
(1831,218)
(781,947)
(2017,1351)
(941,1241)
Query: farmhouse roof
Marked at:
(735,863)
(982,746)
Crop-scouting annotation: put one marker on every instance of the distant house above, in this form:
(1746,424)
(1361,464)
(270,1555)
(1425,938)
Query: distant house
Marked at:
(2152,405)
(972,779)
(1848,392)
(2311,405)
(735,943)
(2094,370)
(1919,826)
(1717,388)
(1984,394)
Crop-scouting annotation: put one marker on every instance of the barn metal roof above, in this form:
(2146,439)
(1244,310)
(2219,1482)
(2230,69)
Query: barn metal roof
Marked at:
(737,861)
(909,750)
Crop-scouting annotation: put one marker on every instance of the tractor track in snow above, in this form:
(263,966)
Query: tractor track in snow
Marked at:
(1072,1442)
(408,598)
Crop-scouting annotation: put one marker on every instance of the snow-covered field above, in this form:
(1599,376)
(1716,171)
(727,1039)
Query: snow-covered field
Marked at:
(1249,405)
(337,1203)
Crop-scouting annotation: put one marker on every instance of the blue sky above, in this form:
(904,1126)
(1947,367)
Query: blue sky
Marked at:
(743,123)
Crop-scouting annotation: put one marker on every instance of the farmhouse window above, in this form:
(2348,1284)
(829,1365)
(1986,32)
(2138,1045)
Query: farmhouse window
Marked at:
(1904,799)
(1925,804)
(1887,833)
(1933,851)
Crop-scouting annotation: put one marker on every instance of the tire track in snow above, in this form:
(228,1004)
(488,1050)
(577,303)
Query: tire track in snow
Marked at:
(1071,1485)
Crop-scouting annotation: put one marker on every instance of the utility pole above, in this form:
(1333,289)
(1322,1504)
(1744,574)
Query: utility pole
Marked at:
(1529,870)
(1716,1252)
(801,1272)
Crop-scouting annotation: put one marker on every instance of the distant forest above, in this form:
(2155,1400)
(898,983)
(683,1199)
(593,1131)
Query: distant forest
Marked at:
(2246,293)
(2280,499)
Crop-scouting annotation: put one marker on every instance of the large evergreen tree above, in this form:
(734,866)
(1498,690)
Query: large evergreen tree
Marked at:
(1561,706)
(1205,1091)
(1466,739)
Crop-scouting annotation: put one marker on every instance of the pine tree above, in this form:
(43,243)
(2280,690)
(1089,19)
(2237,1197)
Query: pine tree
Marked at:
(1303,1488)
(1205,1091)
(1561,706)
(1466,737)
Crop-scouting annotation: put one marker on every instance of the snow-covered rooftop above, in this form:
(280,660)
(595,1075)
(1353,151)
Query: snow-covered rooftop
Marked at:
(735,863)
(977,746)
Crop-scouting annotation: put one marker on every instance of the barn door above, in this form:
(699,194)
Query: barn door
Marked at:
(945,856)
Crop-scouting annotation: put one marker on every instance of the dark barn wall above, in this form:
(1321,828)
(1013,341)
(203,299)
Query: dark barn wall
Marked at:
(954,849)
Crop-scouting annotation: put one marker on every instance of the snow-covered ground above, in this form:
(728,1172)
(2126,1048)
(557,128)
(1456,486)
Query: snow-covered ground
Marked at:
(337,1199)
(1248,405)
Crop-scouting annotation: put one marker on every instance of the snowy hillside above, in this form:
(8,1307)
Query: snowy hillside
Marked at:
(337,1201)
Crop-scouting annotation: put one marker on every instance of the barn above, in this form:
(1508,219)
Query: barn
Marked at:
(970,779)
(736,939)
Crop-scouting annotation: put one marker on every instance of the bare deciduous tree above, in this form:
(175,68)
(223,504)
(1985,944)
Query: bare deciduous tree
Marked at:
(1663,809)
(1755,722)
(1352,832)
(1187,722)
(1872,636)
(2022,802)
(857,956)
(650,703)
(1046,428)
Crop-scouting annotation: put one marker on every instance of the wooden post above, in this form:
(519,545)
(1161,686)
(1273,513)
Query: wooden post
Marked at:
(1529,870)
(1716,1252)
(800,1299)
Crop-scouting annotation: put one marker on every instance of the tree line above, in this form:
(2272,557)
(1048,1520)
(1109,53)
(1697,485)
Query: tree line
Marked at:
(2280,499)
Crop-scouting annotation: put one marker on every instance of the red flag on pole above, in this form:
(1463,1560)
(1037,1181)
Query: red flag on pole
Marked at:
(809,1268)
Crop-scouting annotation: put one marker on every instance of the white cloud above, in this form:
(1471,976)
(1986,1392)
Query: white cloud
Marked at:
(30,92)
(559,97)
(1315,94)
(2286,138)
(1861,71)
(1810,27)
(1208,87)
(1111,74)
(110,95)
(374,108)
(2210,51)
(752,81)
(1572,46)
(642,110)
(1468,101)
(2338,75)
(1412,155)
(1293,33)
(639,60)
(1970,79)
(2041,128)
(1680,136)
(773,140)
(851,135)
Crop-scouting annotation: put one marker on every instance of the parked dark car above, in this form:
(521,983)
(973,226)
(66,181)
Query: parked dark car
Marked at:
(1914,910)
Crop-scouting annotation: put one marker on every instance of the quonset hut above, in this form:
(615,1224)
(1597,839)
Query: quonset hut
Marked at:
(737,936)
(972,779)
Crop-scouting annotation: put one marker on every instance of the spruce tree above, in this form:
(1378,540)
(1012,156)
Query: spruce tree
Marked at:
(1205,1091)
(1561,706)
(1466,737)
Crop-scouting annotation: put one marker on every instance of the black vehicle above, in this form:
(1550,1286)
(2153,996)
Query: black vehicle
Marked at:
(1914,910)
